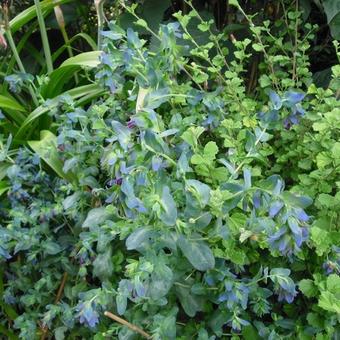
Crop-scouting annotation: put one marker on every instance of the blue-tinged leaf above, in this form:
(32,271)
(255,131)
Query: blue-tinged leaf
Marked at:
(121,301)
(4,253)
(191,303)
(197,252)
(138,238)
(168,213)
(161,282)
(199,190)
(155,99)
(297,201)
(123,134)
(247,178)
(96,217)
(275,100)
(133,39)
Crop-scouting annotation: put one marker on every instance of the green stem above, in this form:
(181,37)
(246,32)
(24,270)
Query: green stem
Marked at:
(61,22)
(44,38)
(19,62)
(99,4)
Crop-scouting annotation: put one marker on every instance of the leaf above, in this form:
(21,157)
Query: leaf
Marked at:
(199,190)
(190,303)
(233,3)
(86,91)
(210,150)
(308,288)
(51,248)
(321,240)
(333,283)
(95,217)
(62,75)
(329,302)
(137,238)
(103,265)
(46,148)
(198,253)
(30,13)
(13,108)
(161,282)
(192,134)
(168,213)
(140,98)
(332,10)
(153,12)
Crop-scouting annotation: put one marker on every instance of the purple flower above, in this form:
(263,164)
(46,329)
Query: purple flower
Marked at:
(292,98)
(288,243)
(287,295)
(87,314)
(131,124)
(157,163)
(275,208)
(257,199)
(300,214)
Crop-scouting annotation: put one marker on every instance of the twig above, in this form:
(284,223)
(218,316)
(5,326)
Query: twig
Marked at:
(60,292)
(127,324)
(61,288)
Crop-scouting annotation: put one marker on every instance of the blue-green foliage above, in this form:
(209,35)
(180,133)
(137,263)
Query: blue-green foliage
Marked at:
(196,212)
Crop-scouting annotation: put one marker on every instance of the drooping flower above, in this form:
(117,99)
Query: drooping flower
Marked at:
(288,241)
(87,314)
(287,295)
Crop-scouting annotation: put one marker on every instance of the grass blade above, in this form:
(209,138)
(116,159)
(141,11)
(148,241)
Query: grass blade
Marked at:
(30,13)
(78,92)
(44,37)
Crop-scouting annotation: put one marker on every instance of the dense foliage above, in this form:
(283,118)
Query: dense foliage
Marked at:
(161,180)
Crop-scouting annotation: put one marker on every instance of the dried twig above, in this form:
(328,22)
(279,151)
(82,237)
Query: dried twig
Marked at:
(57,298)
(127,324)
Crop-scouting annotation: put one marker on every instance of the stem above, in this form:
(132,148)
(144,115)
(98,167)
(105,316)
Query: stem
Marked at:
(294,76)
(248,154)
(61,23)
(44,38)
(127,324)
(19,62)
(99,4)
(58,297)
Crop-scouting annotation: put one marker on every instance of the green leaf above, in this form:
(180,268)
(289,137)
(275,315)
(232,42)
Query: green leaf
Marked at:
(85,92)
(321,240)
(51,248)
(103,265)
(329,302)
(198,253)
(12,108)
(96,217)
(233,3)
(210,150)
(332,10)
(192,134)
(199,190)
(153,12)
(63,74)
(308,288)
(190,303)
(333,283)
(137,238)
(30,13)
(168,213)
(46,148)
(258,47)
